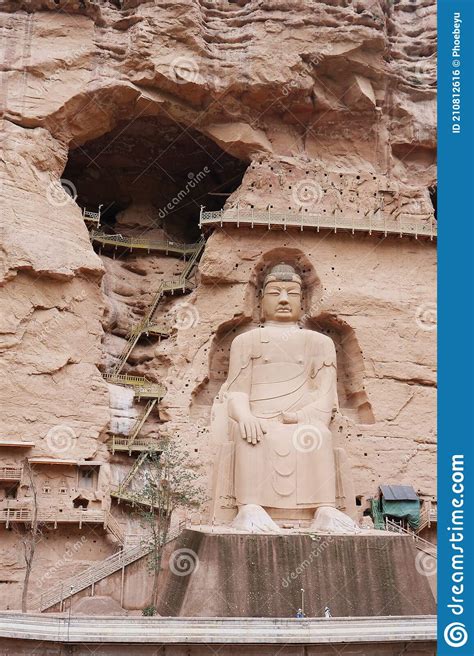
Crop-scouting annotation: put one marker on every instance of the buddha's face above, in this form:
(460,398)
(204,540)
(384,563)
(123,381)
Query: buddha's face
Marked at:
(281,301)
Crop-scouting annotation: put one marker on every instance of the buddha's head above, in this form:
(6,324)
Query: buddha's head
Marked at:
(281,296)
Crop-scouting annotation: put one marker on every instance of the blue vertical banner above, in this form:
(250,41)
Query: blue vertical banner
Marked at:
(455,327)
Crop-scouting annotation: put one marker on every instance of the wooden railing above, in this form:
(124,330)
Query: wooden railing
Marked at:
(92,217)
(62,516)
(423,225)
(166,246)
(131,473)
(133,498)
(10,473)
(9,515)
(142,387)
(139,444)
(161,330)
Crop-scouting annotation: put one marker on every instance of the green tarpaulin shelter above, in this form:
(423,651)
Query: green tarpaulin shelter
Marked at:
(401,502)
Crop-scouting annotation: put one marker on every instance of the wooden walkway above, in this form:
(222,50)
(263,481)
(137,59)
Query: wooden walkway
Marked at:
(142,387)
(63,516)
(405,225)
(167,246)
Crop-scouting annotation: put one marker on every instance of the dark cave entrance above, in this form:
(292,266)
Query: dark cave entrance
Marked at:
(152,174)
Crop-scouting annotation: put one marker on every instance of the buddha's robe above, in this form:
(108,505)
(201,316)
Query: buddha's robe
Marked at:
(284,369)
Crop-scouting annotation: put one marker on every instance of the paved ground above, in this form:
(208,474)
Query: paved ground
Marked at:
(106,630)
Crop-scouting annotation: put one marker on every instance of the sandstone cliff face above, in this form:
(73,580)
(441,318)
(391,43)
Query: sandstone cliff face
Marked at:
(291,106)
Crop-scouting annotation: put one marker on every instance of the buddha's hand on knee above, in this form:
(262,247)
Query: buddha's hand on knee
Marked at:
(251,429)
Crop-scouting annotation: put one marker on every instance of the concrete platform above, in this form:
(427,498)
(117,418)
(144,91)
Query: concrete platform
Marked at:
(245,575)
(56,629)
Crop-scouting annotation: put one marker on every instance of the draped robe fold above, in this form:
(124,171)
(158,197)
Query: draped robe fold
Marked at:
(293,371)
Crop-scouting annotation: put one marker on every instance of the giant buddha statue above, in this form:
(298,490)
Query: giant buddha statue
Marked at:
(279,399)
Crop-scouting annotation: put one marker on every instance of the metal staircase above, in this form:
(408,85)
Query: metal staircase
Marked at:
(420,543)
(124,494)
(137,426)
(136,466)
(142,387)
(179,284)
(90,576)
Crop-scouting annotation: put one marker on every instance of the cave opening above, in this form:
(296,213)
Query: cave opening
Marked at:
(150,176)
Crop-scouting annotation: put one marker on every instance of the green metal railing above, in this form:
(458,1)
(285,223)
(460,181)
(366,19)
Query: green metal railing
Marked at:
(167,246)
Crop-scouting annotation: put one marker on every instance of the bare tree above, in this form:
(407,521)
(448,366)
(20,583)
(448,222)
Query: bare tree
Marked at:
(166,484)
(31,535)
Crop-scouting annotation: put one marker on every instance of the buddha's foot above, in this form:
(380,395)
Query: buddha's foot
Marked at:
(331,520)
(254,519)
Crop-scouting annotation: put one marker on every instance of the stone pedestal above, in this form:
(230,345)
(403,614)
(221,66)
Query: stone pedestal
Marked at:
(242,575)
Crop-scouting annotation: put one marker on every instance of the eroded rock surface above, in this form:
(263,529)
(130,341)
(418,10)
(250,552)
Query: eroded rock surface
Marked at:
(292,107)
